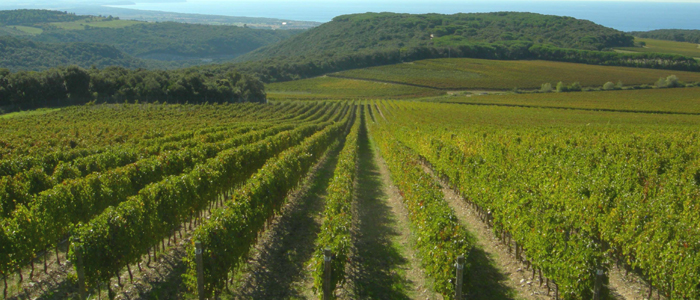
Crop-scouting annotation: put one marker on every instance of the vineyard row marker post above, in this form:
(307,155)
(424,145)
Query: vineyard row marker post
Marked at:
(460,276)
(598,284)
(200,269)
(327,274)
(80,270)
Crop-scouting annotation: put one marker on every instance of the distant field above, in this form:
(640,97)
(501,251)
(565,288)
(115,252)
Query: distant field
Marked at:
(95,22)
(466,73)
(685,100)
(661,46)
(338,88)
(28,30)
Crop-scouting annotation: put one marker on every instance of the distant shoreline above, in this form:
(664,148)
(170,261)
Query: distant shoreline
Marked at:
(621,15)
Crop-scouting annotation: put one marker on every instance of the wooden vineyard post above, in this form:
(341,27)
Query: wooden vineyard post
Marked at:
(80,270)
(460,275)
(200,269)
(327,274)
(598,284)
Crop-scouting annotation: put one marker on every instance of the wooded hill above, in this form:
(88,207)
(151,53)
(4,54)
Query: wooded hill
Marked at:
(18,54)
(156,40)
(379,31)
(29,17)
(165,45)
(373,39)
(678,35)
(347,42)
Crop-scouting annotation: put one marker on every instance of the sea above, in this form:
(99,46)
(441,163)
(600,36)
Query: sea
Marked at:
(621,15)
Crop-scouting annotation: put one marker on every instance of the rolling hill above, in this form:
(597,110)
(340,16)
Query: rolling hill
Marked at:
(376,39)
(379,31)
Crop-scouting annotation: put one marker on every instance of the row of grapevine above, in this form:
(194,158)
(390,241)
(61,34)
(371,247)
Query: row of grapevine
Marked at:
(122,234)
(337,216)
(22,188)
(104,161)
(32,152)
(231,231)
(577,200)
(440,237)
(48,218)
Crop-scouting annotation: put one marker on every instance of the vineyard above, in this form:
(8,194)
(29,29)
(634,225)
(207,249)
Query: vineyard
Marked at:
(331,88)
(91,195)
(467,73)
(595,191)
(680,101)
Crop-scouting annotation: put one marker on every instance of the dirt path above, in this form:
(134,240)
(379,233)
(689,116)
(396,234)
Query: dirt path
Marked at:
(51,282)
(385,265)
(277,268)
(495,273)
(629,286)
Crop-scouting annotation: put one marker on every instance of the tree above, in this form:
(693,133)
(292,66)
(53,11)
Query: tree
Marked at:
(574,87)
(77,83)
(561,87)
(546,88)
(672,81)
(608,86)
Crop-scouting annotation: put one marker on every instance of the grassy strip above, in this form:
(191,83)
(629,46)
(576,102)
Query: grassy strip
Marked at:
(441,239)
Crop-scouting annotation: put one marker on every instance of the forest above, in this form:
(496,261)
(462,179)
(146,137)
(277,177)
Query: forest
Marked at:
(74,85)
(19,54)
(190,40)
(34,16)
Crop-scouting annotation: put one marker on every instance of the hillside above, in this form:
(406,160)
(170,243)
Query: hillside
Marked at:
(17,54)
(165,45)
(165,40)
(678,35)
(34,16)
(468,76)
(644,45)
(376,39)
(477,74)
(163,16)
(378,31)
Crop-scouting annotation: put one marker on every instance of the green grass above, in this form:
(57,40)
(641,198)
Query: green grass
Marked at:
(28,30)
(40,111)
(338,88)
(476,74)
(661,46)
(679,100)
(95,22)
